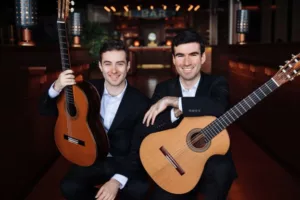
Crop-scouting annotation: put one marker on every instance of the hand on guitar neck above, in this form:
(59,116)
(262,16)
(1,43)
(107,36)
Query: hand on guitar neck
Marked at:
(64,79)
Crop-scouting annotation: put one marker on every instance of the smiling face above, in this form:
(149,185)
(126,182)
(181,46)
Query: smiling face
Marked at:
(188,60)
(114,67)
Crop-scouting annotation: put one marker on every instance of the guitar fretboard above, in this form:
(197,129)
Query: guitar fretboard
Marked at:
(65,57)
(238,110)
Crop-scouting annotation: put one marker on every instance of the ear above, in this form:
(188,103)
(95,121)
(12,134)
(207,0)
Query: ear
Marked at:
(173,59)
(100,66)
(128,66)
(203,58)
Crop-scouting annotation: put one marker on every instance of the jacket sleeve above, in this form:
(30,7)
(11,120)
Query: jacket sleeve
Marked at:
(47,105)
(164,118)
(215,104)
(132,163)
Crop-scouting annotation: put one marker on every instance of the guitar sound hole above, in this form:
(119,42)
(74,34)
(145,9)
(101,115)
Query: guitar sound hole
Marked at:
(72,110)
(198,140)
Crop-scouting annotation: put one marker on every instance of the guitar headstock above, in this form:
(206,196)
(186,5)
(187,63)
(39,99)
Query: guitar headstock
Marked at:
(289,71)
(63,9)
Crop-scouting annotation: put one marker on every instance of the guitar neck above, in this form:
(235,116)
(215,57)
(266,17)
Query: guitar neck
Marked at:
(239,109)
(63,45)
(65,56)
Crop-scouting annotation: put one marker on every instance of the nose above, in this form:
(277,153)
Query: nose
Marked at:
(114,70)
(187,61)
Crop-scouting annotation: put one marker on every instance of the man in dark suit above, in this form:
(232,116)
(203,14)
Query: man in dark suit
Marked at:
(193,93)
(122,111)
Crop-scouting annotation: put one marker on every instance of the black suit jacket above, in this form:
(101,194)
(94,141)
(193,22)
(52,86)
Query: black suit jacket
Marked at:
(211,99)
(124,134)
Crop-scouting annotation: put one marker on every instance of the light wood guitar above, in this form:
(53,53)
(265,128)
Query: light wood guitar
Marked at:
(175,158)
(79,133)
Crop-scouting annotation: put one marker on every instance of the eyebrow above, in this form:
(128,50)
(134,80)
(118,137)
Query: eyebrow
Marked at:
(180,54)
(122,61)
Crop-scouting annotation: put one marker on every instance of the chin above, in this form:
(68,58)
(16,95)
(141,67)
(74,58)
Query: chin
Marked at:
(115,82)
(188,77)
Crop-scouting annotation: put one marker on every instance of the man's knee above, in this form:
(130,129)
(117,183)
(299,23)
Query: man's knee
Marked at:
(69,188)
(221,169)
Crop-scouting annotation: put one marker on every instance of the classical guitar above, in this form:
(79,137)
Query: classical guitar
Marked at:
(175,158)
(79,134)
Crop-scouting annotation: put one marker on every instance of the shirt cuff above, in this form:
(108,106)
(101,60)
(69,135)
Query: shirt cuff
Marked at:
(173,117)
(180,104)
(121,179)
(53,93)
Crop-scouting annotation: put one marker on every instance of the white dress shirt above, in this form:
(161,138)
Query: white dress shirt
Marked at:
(109,107)
(185,93)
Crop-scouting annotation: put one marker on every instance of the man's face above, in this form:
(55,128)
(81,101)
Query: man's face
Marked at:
(188,60)
(114,67)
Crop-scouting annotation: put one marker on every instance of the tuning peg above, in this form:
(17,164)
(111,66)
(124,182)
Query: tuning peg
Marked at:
(293,55)
(296,60)
(280,66)
(286,61)
(72,3)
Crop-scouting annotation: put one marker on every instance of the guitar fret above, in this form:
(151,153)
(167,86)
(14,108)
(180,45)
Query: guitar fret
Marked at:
(257,96)
(247,104)
(252,100)
(262,91)
(268,88)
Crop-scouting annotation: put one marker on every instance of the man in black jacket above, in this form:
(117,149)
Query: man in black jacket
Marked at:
(193,93)
(122,111)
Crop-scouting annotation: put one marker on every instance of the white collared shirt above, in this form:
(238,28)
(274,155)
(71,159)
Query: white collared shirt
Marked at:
(185,93)
(109,107)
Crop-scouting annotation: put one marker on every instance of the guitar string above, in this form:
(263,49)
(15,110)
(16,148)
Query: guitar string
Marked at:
(67,95)
(69,124)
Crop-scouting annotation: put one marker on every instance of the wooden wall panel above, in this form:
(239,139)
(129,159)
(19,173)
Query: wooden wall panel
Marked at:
(272,123)
(27,142)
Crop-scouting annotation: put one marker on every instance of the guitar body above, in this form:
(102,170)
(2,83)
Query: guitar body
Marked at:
(81,138)
(191,158)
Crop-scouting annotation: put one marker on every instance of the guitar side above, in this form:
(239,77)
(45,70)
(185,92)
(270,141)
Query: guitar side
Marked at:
(190,160)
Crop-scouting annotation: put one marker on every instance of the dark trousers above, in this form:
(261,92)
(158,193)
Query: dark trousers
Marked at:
(215,182)
(80,182)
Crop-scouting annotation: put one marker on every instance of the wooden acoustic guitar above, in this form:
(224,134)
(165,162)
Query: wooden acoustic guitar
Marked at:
(79,134)
(175,158)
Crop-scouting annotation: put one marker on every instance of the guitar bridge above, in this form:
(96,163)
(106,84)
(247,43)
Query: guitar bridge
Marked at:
(74,140)
(173,162)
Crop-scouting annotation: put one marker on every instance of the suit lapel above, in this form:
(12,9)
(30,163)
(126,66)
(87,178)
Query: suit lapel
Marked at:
(200,90)
(99,84)
(123,109)
(176,88)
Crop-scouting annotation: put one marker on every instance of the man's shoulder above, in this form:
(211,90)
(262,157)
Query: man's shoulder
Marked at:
(212,78)
(96,82)
(137,96)
(167,83)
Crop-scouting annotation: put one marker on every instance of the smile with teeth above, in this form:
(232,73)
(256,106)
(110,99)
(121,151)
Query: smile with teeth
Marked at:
(187,69)
(114,76)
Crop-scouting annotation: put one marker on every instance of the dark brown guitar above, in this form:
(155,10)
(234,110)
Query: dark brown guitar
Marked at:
(79,134)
